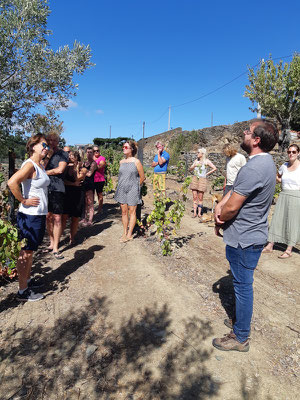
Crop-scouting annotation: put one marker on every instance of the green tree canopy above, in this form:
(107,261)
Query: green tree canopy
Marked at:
(276,87)
(115,143)
(32,75)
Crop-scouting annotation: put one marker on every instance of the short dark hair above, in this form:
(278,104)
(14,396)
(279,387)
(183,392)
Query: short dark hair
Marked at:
(267,132)
(33,141)
(89,148)
(133,146)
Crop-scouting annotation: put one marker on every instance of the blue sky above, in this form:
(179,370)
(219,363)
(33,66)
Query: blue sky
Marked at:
(152,54)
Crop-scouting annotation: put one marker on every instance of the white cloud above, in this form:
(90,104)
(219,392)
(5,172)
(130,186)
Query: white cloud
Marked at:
(99,111)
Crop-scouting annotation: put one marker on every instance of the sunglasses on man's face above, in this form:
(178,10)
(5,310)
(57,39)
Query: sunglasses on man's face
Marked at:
(292,152)
(45,146)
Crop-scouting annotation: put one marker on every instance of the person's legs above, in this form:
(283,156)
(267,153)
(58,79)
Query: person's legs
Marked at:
(24,264)
(200,203)
(268,248)
(57,231)
(89,202)
(132,220)
(100,202)
(74,228)
(195,202)
(124,209)
(50,229)
(242,264)
(64,219)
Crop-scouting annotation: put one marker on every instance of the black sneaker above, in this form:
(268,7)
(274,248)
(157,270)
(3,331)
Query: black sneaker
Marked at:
(34,284)
(29,295)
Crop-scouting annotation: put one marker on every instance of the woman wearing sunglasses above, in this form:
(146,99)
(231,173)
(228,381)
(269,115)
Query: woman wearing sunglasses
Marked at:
(31,218)
(285,225)
(131,176)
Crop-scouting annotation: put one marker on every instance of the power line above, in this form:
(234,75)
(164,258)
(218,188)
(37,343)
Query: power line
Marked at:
(225,84)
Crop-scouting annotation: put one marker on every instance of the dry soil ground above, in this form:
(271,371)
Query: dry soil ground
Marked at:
(120,321)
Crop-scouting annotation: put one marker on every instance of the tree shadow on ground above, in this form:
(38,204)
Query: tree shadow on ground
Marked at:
(83,356)
(224,287)
(56,279)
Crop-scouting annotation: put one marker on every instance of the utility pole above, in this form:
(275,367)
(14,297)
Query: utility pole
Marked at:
(110,131)
(169,122)
(258,114)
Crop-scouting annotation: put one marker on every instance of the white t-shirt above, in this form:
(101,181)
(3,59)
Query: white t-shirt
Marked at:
(36,187)
(233,165)
(290,180)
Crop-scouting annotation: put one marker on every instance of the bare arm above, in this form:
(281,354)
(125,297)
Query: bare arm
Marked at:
(232,206)
(212,166)
(140,171)
(58,170)
(101,164)
(14,182)
(92,170)
(161,160)
(278,177)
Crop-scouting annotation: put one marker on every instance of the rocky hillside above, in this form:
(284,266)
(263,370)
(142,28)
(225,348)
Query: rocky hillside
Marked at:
(212,138)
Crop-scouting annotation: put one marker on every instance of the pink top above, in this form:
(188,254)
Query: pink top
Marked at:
(99,174)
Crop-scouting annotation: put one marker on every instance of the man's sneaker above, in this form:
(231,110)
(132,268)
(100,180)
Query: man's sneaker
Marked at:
(29,295)
(34,284)
(229,342)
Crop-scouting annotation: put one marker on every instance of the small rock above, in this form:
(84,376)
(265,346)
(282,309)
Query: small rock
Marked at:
(19,335)
(90,350)
(219,358)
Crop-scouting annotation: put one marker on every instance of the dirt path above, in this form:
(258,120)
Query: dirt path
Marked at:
(120,321)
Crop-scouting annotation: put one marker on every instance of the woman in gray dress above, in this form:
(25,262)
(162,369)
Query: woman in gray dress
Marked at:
(130,179)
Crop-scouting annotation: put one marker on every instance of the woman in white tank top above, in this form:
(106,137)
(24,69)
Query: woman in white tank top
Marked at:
(31,218)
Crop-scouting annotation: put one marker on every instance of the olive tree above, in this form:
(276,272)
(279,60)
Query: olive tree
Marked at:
(276,87)
(33,76)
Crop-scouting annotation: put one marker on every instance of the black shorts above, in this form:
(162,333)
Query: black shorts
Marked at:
(99,186)
(56,202)
(31,228)
(74,201)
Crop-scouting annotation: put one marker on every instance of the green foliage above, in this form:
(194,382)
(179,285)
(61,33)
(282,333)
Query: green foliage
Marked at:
(180,171)
(276,87)
(32,74)
(109,186)
(167,222)
(277,190)
(180,143)
(218,182)
(10,247)
(114,144)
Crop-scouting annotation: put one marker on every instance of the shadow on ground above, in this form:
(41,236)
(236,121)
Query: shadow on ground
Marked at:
(85,357)
(224,287)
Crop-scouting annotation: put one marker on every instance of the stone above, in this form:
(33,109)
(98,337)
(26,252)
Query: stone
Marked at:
(90,350)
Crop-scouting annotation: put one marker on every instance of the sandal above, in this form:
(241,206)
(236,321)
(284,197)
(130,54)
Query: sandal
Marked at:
(58,255)
(285,255)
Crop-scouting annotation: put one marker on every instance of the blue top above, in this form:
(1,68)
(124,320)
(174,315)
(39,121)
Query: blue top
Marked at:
(256,181)
(162,169)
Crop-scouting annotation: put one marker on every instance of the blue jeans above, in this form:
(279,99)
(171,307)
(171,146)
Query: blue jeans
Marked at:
(242,264)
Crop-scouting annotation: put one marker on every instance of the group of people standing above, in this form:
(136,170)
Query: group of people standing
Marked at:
(56,186)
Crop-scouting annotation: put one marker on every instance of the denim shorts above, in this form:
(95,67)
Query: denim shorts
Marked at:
(31,228)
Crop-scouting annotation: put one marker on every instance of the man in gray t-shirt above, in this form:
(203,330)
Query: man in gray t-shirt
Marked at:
(243,214)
